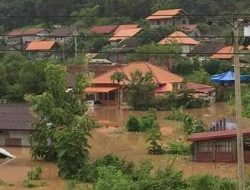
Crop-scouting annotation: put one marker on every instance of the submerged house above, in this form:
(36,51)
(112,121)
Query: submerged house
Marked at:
(15,121)
(218,146)
(107,91)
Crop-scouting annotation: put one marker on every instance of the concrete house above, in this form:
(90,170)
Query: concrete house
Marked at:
(33,34)
(123,32)
(106,91)
(15,121)
(62,35)
(43,49)
(187,43)
(218,146)
(176,17)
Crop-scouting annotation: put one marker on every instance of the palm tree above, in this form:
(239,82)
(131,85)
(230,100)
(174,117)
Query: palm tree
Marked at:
(119,77)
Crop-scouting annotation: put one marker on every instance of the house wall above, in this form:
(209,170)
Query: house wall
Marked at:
(187,48)
(218,156)
(23,135)
(177,21)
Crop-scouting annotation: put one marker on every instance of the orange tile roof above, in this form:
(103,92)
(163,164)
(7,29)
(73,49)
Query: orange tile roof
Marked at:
(160,76)
(124,34)
(40,45)
(165,14)
(125,27)
(180,38)
(99,89)
(224,53)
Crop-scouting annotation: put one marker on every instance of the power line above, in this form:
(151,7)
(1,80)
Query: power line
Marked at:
(236,15)
(136,53)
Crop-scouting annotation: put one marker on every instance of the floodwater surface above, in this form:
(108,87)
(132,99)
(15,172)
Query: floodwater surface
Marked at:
(133,146)
(130,146)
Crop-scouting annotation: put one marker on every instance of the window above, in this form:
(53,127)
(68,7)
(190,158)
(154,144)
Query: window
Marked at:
(158,22)
(206,146)
(183,21)
(224,146)
(247,144)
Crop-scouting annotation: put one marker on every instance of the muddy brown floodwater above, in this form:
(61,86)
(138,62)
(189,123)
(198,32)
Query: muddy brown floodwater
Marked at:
(16,171)
(130,146)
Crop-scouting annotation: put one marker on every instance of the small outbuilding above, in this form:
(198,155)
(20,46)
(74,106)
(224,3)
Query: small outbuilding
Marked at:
(15,121)
(218,146)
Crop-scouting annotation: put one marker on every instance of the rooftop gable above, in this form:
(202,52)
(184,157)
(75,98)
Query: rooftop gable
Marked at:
(166,14)
(33,31)
(124,34)
(179,38)
(40,45)
(106,29)
(225,53)
(160,75)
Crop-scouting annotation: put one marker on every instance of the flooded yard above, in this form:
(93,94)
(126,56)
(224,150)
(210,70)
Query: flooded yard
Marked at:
(130,146)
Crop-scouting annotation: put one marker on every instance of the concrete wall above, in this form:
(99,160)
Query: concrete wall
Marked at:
(23,135)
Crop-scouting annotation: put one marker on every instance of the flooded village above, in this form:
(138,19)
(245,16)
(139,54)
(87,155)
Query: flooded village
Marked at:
(125,95)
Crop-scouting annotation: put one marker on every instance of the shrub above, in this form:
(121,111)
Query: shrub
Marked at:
(133,124)
(112,179)
(178,148)
(90,172)
(153,140)
(35,174)
(32,183)
(208,182)
(148,122)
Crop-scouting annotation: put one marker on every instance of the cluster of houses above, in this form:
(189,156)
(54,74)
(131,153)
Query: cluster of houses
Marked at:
(217,145)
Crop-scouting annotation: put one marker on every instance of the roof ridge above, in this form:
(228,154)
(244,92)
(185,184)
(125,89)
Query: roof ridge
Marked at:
(146,63)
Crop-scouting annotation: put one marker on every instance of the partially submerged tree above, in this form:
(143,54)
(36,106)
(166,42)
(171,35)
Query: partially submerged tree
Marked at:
(141,90)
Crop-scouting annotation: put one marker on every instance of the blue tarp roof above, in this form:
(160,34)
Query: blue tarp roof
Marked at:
(228,77)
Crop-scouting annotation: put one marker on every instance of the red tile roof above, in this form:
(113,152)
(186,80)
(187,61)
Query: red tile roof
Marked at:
(107,29)
(215,135)
(160,76)
(40,45)
(125,34)
(166,14)
(180,38)
(199,87)
(15,33)
(32,31)
(225,53)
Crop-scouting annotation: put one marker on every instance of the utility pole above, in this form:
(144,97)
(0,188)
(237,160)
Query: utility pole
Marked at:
(76,46)
(240,148)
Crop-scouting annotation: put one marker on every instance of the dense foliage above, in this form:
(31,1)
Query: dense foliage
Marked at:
(112,173)
(190,124)
(20,76)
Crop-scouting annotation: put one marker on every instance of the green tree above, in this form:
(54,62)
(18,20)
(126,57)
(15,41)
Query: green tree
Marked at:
(3,81)
(32,78)
(112,179)
(200,76)
(141,90)
(62,126)
(154,138)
